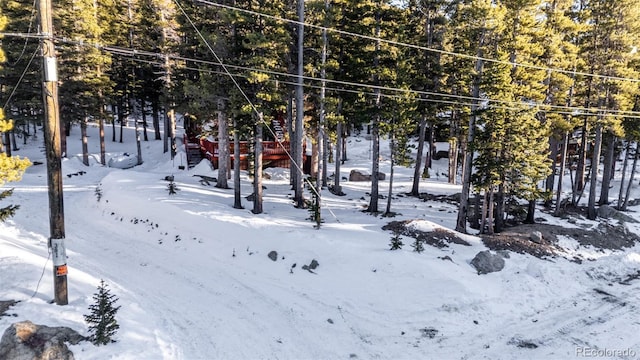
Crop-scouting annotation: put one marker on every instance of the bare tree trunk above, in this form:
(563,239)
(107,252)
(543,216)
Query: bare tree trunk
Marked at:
(237,202)
(563,164)
(7,139)
(390,194)
(223,148)
(103,160)
(553,155)
(607,173)
(172,132)
(595,163)
(257,170)
(138,145)
(315,156)
(415,189)
(453,160)
(490,228)
(461,223)
(483,215)
(165,127)
(337,189)
(429,159)
(375,131)
(631,177)
(113,124)
(13,140)
(582,163)
(500,208)
(155,106)
(375,166)
(66,126)
(625,165)
(145,136)
(388,211)
(85,147)
(531,212)
(25,131)
(121,118)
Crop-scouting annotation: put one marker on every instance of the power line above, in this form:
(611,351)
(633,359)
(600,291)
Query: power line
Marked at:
(561,108)
(26,40)
(13,91)
(573,111)
(402,44)
(418,47)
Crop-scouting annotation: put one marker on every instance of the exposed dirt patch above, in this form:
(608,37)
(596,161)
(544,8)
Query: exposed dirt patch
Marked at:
(439,238)
(5,305)
(519,242)
(517,238)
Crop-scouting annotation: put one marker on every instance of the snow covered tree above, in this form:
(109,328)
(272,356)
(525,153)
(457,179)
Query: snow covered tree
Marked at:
(102,319)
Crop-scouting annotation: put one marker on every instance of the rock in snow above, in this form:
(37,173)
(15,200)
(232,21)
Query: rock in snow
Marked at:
(486,262)
(28,341)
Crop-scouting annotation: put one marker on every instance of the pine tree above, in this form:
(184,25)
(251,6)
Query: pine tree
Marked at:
(172,188)
(612,29)
(207,91)
(82,69)
(11,169)
(20,76)
(396,241)
(559,51)
(102,319)
(313,205)
(426,26)
(7,211)
(473,26)
(418,246)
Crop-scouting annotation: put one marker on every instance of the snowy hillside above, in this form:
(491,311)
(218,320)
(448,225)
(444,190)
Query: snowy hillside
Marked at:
(195,280)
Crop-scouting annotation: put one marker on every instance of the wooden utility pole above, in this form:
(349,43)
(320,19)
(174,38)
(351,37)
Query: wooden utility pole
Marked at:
(322,136)
(53,150)
(299,126)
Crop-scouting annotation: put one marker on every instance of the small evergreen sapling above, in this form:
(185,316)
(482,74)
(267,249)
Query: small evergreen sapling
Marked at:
(396,242)
(417,246)
(172,187)
(102,322)
(8,211)
(98,193)
(313,205)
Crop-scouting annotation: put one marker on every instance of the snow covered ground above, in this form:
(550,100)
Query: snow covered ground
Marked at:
(195,282)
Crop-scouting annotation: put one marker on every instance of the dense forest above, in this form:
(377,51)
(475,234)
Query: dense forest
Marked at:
(522,90)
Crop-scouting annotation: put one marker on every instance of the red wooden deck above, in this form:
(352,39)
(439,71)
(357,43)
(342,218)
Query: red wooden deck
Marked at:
(274,154)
